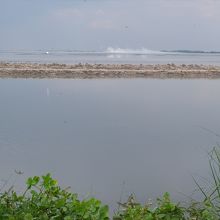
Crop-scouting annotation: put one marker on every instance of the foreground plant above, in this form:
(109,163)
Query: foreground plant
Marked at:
(211,203)
(165,210)
(43,199)
(202,211)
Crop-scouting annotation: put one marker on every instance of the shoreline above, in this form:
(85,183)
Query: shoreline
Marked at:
(90,71)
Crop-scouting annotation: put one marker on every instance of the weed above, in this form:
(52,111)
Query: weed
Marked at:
(43,199)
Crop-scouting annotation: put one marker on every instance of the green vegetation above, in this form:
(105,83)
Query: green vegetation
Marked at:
(165,210)
(211,192)
(43,199)
(208,209)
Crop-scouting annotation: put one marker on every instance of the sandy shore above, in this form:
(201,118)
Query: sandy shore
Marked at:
(83,71)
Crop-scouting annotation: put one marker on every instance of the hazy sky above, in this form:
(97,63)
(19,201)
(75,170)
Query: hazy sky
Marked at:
(98,24)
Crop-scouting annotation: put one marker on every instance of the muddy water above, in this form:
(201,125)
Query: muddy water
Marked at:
(109,138)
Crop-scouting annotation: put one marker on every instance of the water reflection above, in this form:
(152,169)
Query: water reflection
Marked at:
(98,135)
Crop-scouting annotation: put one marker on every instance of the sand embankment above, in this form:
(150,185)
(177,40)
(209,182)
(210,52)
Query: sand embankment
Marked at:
(83,71)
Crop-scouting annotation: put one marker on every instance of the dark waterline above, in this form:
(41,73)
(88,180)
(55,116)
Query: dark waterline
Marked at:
(101,136)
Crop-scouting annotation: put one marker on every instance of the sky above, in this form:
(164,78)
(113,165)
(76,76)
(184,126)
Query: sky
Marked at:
(99,24)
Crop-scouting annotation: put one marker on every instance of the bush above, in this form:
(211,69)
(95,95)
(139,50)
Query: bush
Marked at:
(165,210)
(202,211)
(44,199)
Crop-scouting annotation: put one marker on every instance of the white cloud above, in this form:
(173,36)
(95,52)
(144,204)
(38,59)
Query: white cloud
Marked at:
(100,12)
(209,8)
(66,14)
(102,24)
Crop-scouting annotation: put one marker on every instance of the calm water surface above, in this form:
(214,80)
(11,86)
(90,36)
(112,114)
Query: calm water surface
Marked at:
(73,57)
(109,137)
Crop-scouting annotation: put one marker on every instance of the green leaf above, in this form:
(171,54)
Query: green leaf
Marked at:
(28,217)
(68,218)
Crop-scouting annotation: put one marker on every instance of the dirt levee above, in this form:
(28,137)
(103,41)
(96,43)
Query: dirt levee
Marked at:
(82,71)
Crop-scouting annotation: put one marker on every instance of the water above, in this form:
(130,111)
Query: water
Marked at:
(109,138)
(111,55)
